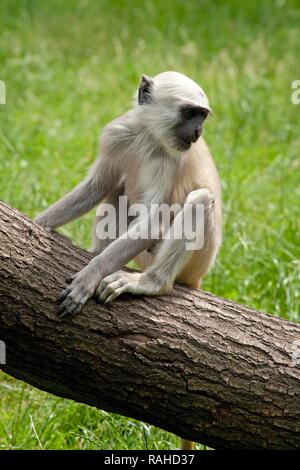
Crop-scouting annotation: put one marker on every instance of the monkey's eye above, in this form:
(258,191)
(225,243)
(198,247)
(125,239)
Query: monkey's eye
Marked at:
(203,113)
(190,112)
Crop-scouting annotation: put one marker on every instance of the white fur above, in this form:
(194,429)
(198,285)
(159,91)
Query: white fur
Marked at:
(138,158)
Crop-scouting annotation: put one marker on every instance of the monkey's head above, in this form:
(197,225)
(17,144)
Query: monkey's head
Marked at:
(173,109)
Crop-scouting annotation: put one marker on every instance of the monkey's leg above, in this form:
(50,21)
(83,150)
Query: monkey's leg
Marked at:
(76,203)
(172,257)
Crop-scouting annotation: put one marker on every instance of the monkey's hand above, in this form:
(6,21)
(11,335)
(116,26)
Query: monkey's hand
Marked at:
(42,221)
(82,287)
(136,283)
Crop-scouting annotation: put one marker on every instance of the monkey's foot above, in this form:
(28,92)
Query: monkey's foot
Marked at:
(121,281)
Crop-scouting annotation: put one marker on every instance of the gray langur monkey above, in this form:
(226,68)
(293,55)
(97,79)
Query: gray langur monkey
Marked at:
(153,154)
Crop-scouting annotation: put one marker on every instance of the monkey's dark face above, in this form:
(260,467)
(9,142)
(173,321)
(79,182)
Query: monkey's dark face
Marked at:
(189,126)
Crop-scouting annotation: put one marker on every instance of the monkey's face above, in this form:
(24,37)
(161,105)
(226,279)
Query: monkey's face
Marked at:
(189,126)
(175,109)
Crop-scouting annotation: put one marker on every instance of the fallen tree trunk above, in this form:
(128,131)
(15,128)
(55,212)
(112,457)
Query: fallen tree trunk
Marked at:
(199,366)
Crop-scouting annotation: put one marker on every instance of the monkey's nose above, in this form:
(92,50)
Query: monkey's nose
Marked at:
(197,134)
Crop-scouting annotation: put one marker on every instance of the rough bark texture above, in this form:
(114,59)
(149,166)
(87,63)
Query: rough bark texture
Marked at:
(199,366)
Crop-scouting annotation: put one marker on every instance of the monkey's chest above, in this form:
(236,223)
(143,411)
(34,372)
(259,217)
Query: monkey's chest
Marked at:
(157,182)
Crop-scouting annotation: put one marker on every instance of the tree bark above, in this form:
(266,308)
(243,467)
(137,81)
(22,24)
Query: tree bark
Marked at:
(202,367)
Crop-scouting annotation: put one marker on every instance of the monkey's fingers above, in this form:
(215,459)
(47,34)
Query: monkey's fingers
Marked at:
(66,313)
(63,294)
(71,278)
(69,309)
(66,307)
(72,301)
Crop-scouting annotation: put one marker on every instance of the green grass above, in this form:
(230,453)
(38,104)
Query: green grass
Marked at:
(71,66)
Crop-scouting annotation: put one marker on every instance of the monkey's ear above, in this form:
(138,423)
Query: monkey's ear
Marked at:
(145,89)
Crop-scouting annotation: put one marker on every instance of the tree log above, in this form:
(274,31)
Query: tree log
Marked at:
(202,367)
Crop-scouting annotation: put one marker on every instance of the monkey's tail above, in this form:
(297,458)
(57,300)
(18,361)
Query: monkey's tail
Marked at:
(186,445)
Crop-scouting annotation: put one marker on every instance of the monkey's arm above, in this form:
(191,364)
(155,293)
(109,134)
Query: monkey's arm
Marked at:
(85,283)
(103,176)
(76,203)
